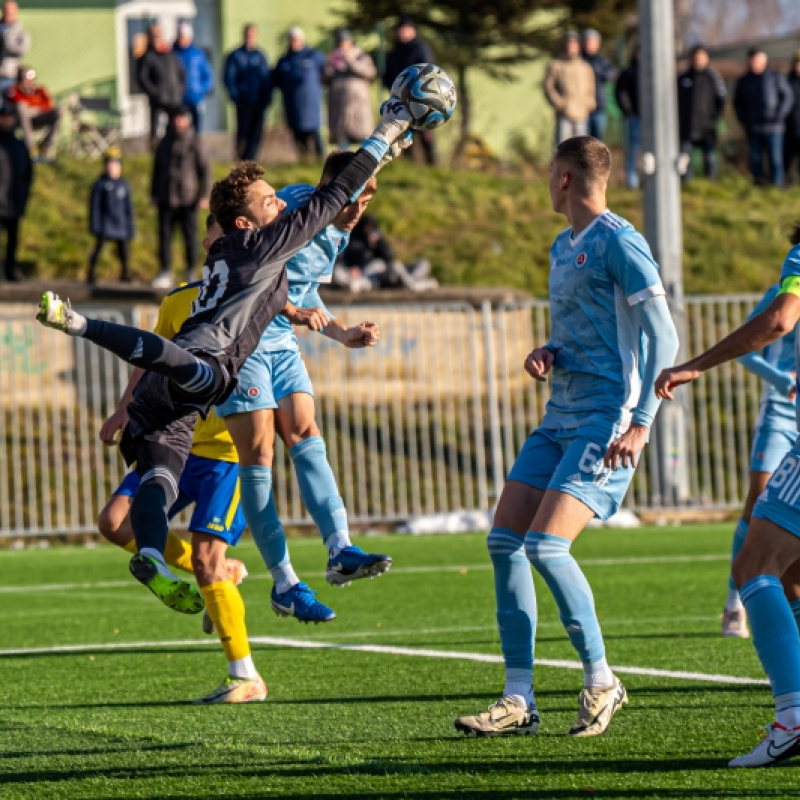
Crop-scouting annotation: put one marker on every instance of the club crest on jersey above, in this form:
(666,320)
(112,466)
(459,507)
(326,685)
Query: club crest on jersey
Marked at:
(253,391)
(580,261)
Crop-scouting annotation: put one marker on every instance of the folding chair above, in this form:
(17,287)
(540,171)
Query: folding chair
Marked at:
(95,126)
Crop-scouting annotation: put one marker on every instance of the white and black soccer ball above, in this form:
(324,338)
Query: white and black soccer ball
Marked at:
(428,93)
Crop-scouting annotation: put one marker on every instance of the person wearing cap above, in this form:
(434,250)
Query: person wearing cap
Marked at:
(604,73)
(37,112)
(161,77)
(763,100)
(701,100)
(569,86)
(249,83)
(791,140)
(197,70)
(298,74)
(348,74)
(16,177)
(410,49)
(15,42)
(181,184)
(111,215)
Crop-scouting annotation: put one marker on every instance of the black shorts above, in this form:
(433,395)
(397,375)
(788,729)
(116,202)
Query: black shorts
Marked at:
(164,414)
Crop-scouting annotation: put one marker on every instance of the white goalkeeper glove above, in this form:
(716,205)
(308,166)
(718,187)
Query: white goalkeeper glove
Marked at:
(395,121)
(403,142)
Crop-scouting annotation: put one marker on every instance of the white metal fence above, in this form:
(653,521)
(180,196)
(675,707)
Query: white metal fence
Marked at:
(428,421)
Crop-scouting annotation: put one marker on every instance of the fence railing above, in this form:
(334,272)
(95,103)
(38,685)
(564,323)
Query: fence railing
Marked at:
(429,421)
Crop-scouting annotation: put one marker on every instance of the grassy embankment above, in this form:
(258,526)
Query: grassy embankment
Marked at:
(476,229)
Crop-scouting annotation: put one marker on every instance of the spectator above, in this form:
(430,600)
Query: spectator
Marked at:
(604,73)
(410,49)
(791,142)
(16,176)
(627,95)
(763,100)
(111,215)
(198,74)
(368,262)
(701,99)
(570,88)
(36,111)
(14,44)
(249,85)
(298,74)
(348,73)
(181,183)
(161,77)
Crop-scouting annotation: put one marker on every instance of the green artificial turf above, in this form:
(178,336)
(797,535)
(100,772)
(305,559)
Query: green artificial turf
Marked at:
(118,723)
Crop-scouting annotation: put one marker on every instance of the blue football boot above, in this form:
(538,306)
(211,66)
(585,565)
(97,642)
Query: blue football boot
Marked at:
(301,603)
(352,563)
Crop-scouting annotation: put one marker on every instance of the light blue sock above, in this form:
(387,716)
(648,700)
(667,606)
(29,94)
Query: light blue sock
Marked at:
(795,606)
(516,609)
(551,557)
(258,505)
(739,535)
(776,640)
(319,492)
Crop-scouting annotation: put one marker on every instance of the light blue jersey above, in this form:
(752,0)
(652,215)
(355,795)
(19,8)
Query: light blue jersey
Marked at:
(596,278)
(774,365)
(307,269)
(790,278)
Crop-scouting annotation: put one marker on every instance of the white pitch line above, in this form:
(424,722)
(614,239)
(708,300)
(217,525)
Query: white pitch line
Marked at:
(422,570)
(305,644)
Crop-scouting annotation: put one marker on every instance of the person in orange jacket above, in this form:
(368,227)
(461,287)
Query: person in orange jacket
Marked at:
(36,111)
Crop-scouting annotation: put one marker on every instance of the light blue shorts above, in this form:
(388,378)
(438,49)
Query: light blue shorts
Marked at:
(571,461)
(770,445)
(213,487)
(265,379)
(780,501)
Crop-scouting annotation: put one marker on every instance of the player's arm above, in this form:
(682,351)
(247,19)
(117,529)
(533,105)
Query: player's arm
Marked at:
(631,266)
(291,231)
(119,419)
(315,318)
(777,320)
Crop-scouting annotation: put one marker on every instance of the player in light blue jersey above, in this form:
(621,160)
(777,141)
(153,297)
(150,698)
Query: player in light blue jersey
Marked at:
(274,392)
(774,434)
(767,568)
(611,334)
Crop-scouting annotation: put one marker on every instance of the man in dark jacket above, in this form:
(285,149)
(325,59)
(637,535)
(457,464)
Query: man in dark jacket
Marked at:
(791,141)
(604,73)
(298,74)
(198,73)
(249,84)
(111,215)
(627,95)
(16,177)
(701,99)
(161,77)
(763,101)
(410,49)
(180,184)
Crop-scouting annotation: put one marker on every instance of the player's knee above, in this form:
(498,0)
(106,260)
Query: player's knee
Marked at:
(259,455)
(111,524)
(209,565)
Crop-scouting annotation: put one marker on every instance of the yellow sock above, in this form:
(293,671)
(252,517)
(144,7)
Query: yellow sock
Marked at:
(178,553)
(131,547)
(226,608)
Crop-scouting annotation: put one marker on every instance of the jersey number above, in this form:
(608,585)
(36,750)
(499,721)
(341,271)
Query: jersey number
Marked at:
(215,280)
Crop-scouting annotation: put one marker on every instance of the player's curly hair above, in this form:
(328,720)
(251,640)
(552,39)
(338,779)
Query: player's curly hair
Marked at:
(229,196)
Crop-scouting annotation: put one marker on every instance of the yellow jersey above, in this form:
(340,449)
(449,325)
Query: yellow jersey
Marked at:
(211,438)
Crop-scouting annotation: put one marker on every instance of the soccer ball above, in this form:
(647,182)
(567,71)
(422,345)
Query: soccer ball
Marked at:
(428,93)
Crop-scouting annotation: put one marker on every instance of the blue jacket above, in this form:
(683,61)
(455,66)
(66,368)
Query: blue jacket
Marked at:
(111,209)
(199,75)
(604,73)
(248,78)
(299,77)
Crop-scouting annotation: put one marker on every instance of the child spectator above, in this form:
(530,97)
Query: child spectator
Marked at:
(111,215)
